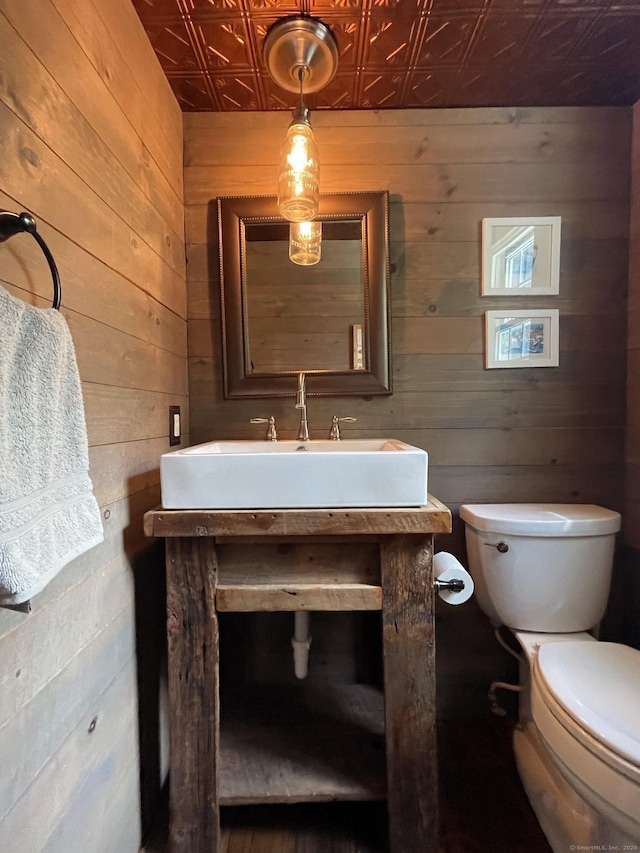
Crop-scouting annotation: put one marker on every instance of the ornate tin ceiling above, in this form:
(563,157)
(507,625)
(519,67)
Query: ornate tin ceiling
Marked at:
(406,53)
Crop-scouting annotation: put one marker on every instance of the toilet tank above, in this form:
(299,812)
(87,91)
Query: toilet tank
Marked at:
(541,567)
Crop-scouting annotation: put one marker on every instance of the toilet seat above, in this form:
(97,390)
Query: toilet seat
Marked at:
(585,701)
(599,686)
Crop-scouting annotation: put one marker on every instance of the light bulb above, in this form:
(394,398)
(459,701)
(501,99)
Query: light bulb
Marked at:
(305,242)
(299,174)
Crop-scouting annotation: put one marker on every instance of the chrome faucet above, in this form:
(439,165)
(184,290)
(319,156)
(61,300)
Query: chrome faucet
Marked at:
(272,434)
(301,403)
(334,432)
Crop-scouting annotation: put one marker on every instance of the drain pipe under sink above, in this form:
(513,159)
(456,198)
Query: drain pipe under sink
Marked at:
(301,641)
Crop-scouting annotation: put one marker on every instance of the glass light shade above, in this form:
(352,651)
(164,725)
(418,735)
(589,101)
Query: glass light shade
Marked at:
(299,173)
(305,242)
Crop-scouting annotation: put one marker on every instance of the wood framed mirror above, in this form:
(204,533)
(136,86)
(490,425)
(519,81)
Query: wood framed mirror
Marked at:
(330,320)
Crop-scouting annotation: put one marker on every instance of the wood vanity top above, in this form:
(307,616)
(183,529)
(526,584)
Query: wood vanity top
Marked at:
(433,517)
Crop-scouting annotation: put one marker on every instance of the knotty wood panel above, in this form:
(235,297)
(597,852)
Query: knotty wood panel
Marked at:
(408,628)
(83,681)
(427,183)
(282,596)
(298,576)
(192,631)
(533,143)
(87,760)
(123,815)
(297,744)
(119,521)
(116,186)
(437,222)
(434,517)
(108,597)
(88,219)
(152,313)
(501,434)
(95,67)
(126,73)
(109,758)
(587,407)
(117,414)
(302,561)
(626,589)
(92,146)
(632,502)
(429,372)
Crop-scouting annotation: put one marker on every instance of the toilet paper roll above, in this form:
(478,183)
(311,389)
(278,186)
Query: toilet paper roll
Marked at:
(447,568)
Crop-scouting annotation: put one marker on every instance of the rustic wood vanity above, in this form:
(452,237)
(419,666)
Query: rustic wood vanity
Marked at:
(308,742)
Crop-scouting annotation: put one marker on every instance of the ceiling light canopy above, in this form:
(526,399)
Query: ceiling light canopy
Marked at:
(301,42)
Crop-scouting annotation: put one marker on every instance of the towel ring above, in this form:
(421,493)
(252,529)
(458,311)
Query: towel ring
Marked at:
(16,223)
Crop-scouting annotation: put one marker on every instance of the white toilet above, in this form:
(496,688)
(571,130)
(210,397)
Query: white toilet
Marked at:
(544,571)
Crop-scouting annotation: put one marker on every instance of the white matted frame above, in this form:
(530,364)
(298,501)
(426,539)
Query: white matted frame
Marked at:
(522,338)
(521,256)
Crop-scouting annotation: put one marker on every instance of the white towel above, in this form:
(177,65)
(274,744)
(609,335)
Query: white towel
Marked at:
(48,513)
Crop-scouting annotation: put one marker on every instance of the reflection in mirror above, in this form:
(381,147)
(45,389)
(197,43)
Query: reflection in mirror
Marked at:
(301,317)
(521,256)
(305,242)
(329,319)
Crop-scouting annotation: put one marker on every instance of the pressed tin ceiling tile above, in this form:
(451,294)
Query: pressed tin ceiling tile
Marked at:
(384,90)
(224,45)
(193,94)
(431,89)
(500,38)
(173,45)
(614,40)
(349,33)
(445,41)
(406,53)
(557,38)
(234,91)
(389,40)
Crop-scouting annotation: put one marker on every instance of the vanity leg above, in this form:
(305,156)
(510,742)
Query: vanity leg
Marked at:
(408,637)
(194,705)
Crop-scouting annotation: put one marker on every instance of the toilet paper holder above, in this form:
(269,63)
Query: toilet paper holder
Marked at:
(451,581)
(453,585)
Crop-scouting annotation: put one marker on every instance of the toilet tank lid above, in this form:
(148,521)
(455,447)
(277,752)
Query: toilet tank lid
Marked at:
(541,519)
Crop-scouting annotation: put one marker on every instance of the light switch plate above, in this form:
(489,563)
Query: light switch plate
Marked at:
(175,427)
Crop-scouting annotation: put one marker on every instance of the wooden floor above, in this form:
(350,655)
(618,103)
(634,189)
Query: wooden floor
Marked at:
(483,808)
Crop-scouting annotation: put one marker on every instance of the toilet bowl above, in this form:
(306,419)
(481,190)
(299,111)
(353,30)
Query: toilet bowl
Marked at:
(543,571)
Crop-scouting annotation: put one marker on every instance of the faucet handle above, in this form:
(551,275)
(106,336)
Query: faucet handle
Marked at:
(271,435)
(334,432)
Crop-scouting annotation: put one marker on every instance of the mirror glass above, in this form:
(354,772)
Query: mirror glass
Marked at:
(303,317)
(329,319)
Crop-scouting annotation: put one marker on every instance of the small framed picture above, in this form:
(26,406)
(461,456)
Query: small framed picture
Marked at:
(521,256)
(522,338)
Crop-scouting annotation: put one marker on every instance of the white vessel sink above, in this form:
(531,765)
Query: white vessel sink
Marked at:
(294,474)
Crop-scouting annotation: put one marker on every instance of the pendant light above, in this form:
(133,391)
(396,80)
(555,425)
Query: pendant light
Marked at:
(299,170)
(301,56)
(305,242)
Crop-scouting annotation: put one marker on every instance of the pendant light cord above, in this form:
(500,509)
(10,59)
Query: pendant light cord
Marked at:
(301,72)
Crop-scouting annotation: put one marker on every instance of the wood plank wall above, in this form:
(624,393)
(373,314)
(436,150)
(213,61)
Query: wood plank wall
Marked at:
(628,581)
(632,502)
(91,144)
(546,434)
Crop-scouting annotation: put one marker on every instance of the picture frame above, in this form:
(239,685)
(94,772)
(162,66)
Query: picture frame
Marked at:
(521,256)
(527,338)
